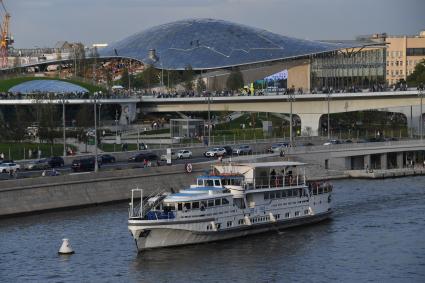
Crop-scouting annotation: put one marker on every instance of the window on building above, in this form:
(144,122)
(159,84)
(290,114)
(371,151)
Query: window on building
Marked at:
(401,72)
(306,212)
(396,72)
(401,63)
(388,63)
(229,223)
(388,72)
(287,215)
(392,63)
(396,63)
(297,213)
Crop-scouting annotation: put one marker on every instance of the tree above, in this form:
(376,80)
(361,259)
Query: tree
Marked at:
(188,75)
(235,80)
(200,85)
(49,123)
(418,75)
(125,78)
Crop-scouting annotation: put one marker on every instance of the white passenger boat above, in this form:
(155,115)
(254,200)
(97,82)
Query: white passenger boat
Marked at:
(234,200)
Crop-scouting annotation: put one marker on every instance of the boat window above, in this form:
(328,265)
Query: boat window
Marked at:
(278,195)
(209,183)
(289,193)
(200,182)
(239,203)
(320,190)
(195,205)
(210,202)
(306,211)
(266,196)
(169,207)
(187,205)
(179,206)
(297,213)
(272,195)
(224,201)
(218,201)
(287,215)
(229,223)
(217,183)
(284,194)
(203,204)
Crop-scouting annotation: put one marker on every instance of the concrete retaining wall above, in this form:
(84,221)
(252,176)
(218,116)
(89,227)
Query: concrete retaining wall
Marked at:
(37,194)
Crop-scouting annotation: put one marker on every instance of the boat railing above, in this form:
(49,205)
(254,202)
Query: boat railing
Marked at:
(135,209)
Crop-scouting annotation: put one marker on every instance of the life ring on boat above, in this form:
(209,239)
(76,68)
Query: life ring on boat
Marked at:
(188,167)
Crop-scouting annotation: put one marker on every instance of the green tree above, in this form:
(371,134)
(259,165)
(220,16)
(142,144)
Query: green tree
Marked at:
(418,75)
(188,75)
(235,80)
(200,85)
(125,78)
(49,123)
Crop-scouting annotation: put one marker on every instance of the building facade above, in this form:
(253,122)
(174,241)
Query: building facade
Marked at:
(403,54)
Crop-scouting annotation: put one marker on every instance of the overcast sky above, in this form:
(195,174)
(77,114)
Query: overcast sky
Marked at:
(44,22)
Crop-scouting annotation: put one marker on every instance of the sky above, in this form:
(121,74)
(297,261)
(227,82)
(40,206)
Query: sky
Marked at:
(41,23)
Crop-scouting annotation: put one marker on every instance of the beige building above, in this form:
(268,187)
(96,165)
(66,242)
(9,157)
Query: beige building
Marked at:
(403,53)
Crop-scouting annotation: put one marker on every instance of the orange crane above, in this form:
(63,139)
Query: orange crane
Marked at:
(5,39)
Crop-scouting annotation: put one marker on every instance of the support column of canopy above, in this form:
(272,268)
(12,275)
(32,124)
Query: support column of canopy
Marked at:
(310,124)
(128,113)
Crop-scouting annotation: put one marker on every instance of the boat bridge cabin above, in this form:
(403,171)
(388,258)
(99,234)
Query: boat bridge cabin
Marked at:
(266,174)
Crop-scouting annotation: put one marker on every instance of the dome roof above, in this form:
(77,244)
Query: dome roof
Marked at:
(53,86)
(210,44)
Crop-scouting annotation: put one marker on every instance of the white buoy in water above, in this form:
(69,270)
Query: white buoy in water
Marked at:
(66,248)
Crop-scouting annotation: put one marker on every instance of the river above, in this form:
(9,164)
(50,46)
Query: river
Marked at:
(377,233)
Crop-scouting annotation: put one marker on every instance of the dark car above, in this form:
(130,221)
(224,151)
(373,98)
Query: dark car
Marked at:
(56,161)
(83,164)
(107,158)
(140,157)
(229,150)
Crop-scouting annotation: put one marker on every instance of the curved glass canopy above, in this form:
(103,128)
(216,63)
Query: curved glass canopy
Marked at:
(44,86)
(209,44)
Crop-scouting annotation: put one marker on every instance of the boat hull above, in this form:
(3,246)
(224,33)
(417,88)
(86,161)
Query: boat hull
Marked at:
(160,237)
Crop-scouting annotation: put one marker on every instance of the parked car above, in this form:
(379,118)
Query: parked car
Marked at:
(107,158)
(39,164)
(83,164)
(332,142)
(140,157)
(278,147)
(56,161)
(6,167)
(242,149)
(215,152)
(184,153)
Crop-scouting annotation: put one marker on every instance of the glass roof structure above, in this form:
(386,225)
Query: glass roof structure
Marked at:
(210,44)
(51,86)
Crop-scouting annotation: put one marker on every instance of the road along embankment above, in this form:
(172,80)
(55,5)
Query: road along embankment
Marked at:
(38,194)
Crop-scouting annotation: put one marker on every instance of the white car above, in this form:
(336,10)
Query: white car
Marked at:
(215,152)
(184,153)
(9,166)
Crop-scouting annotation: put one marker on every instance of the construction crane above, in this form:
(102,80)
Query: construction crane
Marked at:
(6,40)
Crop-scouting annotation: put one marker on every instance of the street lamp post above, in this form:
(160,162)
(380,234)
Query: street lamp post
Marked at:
(64,126)
(329,119)
(116,129)
(421,127)
(291,99)
(96,165)
(209,117)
